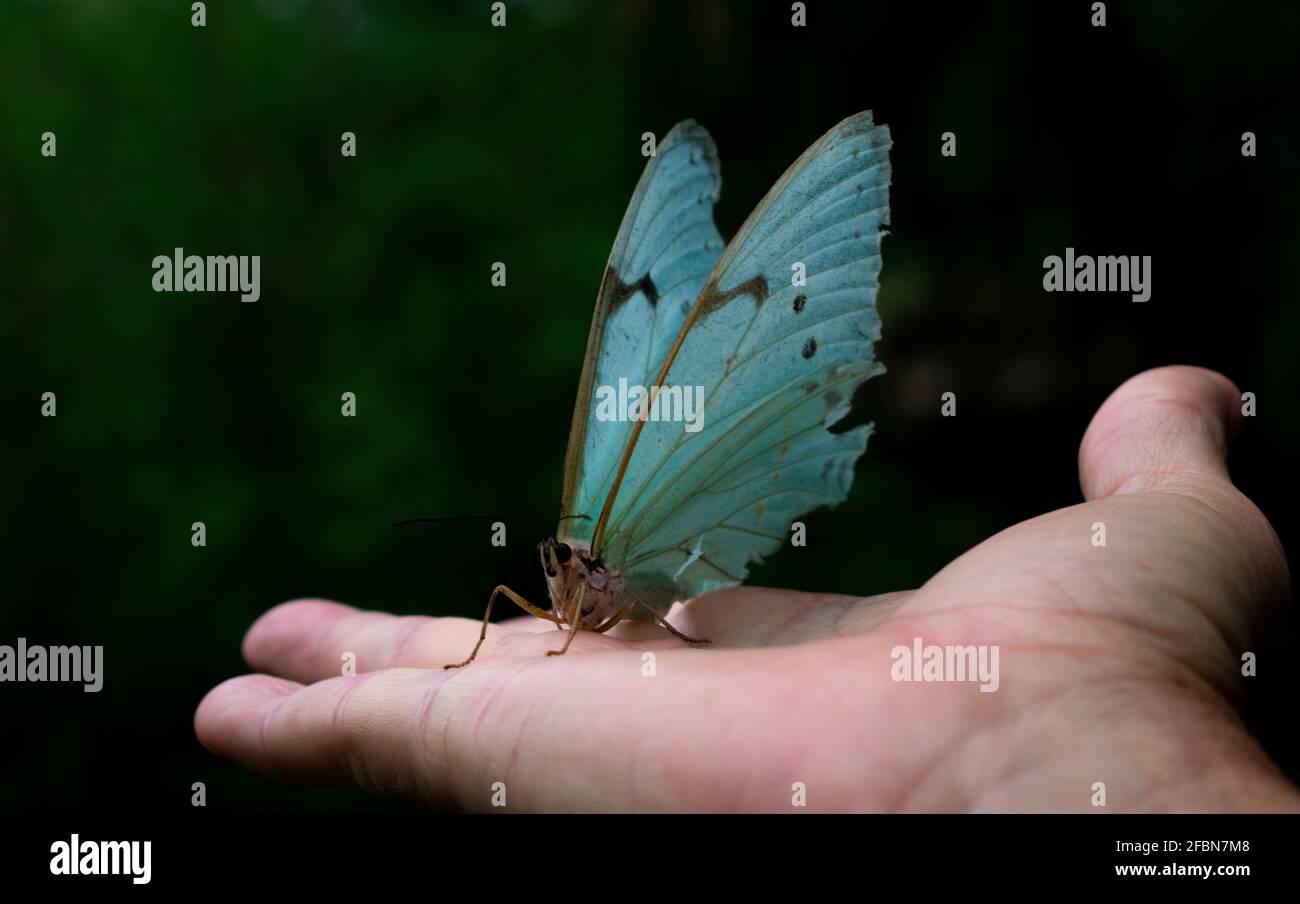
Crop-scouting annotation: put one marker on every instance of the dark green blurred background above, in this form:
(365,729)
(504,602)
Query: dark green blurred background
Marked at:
(522,145)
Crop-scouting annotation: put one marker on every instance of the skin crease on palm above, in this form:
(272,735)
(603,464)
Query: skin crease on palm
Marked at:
(1118,664)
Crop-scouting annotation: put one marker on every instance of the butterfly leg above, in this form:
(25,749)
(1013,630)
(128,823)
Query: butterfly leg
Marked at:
(574,619)
(614,619)
(659,619)
(518,601)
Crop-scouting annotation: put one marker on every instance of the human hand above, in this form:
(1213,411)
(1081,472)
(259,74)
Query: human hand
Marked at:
(1118,664)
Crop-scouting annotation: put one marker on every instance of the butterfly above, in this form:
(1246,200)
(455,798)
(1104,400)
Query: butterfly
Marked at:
(771,335)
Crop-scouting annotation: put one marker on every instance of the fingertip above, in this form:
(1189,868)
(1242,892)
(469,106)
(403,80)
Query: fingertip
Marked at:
(281,631)
(1164,426)
(223,716)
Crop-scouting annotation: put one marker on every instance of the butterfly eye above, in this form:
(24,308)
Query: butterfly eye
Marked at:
(562,552)
(545,560)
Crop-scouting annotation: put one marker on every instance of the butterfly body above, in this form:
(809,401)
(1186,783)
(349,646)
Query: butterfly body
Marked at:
(580,584)
(770,335)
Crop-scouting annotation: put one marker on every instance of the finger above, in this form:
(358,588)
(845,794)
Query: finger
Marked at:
(1165,434)
(360,730)
(1168,430)
(1164,427)
(310,640)
(763,616)
(570,733)
(1166,553)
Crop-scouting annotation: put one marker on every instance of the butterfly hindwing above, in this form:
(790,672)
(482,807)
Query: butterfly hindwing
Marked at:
(778,363)
(665,249)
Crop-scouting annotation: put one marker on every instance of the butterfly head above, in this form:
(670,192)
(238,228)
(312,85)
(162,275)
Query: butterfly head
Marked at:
(580,583)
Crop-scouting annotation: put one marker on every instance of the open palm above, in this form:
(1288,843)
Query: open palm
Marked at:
(1119,664)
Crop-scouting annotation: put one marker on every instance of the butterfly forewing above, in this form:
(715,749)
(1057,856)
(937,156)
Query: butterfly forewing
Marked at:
(778,363)
(664,251)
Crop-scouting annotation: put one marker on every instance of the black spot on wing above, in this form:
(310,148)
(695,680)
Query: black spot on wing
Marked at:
(810,347)
(800,301)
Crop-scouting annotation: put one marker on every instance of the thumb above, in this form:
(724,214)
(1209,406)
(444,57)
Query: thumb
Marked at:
(1158,446)
(1164,427)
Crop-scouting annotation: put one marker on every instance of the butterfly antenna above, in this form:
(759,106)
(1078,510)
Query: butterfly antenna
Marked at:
(460,518)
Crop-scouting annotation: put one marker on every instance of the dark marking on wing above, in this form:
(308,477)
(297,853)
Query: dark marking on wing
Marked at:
(711,299)
(799,301)
(810,347)
(623,291)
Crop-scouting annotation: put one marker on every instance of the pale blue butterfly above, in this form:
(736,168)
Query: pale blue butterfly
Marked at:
(778,330)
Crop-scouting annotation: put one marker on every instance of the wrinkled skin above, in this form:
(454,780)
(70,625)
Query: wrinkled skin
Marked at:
(1118,665)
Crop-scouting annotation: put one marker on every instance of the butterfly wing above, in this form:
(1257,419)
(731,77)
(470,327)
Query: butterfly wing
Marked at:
(778,363)
(665,249)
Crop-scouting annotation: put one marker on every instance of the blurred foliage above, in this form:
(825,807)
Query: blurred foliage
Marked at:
(522,145)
